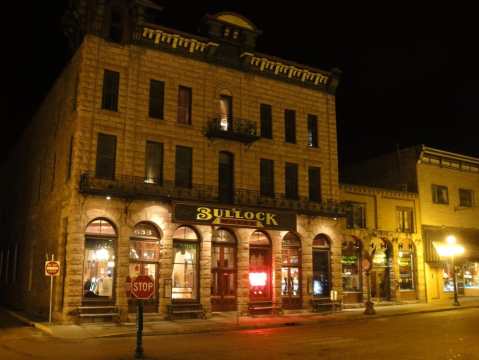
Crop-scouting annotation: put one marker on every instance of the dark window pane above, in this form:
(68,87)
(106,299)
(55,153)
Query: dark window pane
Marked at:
(106,156)
(266,118)
(70,159)
(321,273)
(312,130)
(356,216)
(184,166)
(115,33)
(226,177)
(290,126)
(184,105)
(157,91)
(466,198)
(291,181)
(266,177)
(154,162)
(314,175)
(111,81)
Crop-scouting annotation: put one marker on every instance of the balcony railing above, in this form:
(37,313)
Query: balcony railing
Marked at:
(236,129)
(135,187)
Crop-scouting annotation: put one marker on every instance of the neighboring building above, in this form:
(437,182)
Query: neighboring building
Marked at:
(447,184)
(192,159)
(383,225)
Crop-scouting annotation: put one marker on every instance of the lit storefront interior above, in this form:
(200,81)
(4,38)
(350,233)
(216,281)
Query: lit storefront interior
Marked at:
(185,277)
(260,267)
(99,262)
(291,272)
(223,271)
(407,270)
(381,269)
(351,270)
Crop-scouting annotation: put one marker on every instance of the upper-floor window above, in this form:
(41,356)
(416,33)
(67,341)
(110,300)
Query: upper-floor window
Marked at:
(116,28)
(157,99)
(291,180)
(154,162)
(184,166)
(290,126)
(106,156)
(405,219)
(312,130)
(356,215)
(69,159)
(466,198)
(226,112)
(266,175)
(184,105)
(266,118)
(314,177)
(111,82)
(440,194)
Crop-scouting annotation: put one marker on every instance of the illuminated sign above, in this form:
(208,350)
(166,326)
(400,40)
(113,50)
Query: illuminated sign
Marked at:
(234,216)
(258,279)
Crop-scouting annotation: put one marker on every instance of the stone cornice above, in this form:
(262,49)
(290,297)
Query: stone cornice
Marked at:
(369,190)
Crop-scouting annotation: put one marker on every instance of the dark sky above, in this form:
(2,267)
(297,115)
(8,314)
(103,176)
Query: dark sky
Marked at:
(410,74)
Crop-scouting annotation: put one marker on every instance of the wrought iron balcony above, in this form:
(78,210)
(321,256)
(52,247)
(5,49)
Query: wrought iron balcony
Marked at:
(135,187)
(235,129)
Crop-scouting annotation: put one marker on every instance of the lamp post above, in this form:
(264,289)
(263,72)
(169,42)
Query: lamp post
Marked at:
(451,249)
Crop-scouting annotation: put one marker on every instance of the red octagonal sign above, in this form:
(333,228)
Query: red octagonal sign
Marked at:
(142,287)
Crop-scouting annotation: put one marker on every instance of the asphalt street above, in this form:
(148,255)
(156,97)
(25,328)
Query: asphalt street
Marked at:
(451,335)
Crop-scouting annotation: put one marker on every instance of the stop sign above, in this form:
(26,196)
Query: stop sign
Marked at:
(142,287)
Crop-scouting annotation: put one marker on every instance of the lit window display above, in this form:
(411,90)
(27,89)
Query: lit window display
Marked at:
(448,278)
(406,266)
(471,275)
(290,271)
(321,266)
(260,266)
(350,261)
(185,264)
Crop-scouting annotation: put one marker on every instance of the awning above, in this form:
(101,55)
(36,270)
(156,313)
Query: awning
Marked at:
(469,238)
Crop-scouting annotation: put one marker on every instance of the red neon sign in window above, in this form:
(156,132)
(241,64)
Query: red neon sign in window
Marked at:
(258,278)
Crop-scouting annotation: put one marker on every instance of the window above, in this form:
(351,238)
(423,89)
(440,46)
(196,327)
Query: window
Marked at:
(266,118)
(291,181)
(405,220)
(70,159)
(350,262)
(111,81)
(106,156)
(471,275)
(184,167)
(290,126)
(440,194)
(321,266)
(266,175)
(185,274)
(226,113)
(314,176)
(466,198)
(223,270)
(184,105)
(312,130)
(154,163)
(115,32)
(156,105)
(356,215)
(406,265)
(291,271)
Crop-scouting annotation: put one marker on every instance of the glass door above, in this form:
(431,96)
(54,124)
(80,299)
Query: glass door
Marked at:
(290,278)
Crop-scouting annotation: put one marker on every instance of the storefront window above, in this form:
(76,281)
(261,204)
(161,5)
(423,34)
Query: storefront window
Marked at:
(260,266)
(471,275)
(290,271)
(185,264)
(321,266)
(447,276)
(99,260)
(350,261)
(406,266)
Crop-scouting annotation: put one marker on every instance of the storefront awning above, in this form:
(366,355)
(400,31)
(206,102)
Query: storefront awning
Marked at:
(469,238)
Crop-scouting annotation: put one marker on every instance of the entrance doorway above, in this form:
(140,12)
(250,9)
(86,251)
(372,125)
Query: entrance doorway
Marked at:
(226,177)
(291,272)
(223,271)
(259,267)
(381,270)
(321,267)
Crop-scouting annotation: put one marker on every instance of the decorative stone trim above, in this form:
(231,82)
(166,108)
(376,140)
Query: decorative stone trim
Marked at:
(176,41)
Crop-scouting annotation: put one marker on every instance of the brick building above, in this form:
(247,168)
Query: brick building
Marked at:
(193,159)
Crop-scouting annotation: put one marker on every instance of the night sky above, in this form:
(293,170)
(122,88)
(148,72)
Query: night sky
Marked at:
(410,74)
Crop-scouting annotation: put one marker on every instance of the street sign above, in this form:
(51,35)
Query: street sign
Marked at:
(52,268)
(142,287)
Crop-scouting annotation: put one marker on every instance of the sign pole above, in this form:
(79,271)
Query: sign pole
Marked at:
(51,295)
(139,330)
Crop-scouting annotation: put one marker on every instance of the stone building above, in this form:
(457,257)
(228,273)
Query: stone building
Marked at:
(446,184)
(193,159)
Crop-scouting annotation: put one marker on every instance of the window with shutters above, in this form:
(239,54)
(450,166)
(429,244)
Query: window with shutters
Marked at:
(184,167)
(312,130)
(314,177)
(184,105)
(290,126)
(291,181)
(106,156)
(111,81)
(266,177)
(156,104)
(154,163)
(266,119)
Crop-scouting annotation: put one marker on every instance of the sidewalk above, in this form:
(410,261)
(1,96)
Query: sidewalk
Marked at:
(229,321)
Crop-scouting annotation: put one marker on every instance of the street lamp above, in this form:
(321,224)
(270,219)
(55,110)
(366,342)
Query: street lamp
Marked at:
(451,249)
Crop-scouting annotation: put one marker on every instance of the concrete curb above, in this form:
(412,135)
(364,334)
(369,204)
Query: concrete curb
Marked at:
(29,322)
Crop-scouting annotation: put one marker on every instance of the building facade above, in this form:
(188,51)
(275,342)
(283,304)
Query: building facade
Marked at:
(195,160)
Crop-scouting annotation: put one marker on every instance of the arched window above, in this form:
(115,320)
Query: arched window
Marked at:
(291,271)
(185,277)
(321,266)
(351,264)
(99,260)
(406,258)
(260,266)
(223,270)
